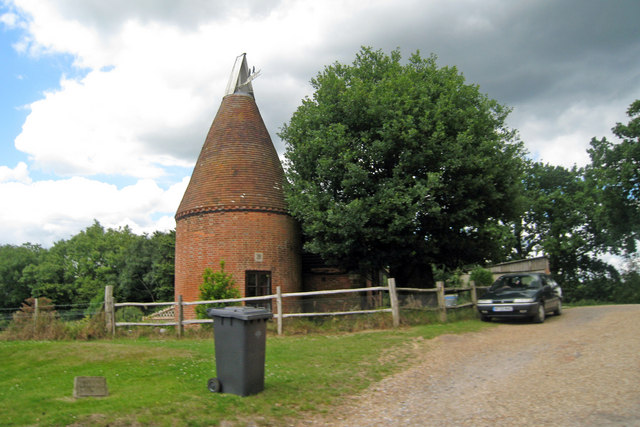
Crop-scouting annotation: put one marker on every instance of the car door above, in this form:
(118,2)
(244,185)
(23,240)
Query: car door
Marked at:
(550,298)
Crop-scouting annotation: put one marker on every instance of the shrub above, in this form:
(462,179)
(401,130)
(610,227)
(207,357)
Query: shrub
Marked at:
(481,276)
(43,323)
(216,285)
(47,324)
(129,314)
(95,305)
(89,328)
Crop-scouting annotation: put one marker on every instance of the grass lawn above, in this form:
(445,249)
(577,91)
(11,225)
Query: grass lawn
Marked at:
(163,381)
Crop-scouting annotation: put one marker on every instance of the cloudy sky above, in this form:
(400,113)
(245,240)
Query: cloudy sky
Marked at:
(104,105)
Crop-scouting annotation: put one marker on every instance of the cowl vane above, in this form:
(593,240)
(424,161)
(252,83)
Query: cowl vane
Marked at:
(241,77)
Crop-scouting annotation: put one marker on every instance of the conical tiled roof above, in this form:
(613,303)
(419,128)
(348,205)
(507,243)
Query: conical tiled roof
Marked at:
(238,167)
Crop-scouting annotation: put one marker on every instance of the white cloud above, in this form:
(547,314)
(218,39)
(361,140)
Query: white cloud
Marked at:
(563,137)
(18,174)
(97,125)
(47,211)
(9,19)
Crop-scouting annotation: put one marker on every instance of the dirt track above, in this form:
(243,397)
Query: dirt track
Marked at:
(580,368)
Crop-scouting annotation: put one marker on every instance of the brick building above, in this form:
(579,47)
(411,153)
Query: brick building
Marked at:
(233,209)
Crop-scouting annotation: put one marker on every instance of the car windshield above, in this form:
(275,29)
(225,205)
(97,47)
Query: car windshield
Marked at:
(525,281)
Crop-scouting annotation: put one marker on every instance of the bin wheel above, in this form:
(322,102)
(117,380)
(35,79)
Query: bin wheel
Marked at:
(214,385)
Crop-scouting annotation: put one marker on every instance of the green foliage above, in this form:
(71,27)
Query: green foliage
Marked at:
(95,305)
(562,207)
(216,285)
(576,216)
(129,314)
(560,204)
(13,261)
(148,274)
(629,291)
(402,166)
(481,276)
(615,172)
(75,271)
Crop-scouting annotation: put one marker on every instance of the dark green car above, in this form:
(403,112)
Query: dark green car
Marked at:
(521,295)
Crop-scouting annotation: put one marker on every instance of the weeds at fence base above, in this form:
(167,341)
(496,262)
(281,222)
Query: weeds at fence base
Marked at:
(363,322)
(414,317)
(42,322)
(326,324)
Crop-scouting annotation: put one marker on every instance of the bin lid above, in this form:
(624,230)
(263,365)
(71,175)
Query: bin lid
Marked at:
(243,313)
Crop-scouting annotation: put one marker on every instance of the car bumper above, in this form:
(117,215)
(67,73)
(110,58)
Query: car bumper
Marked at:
(508,309)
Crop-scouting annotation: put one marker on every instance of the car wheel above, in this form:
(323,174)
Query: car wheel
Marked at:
(558,311)
(540,315)
(485,318)
(214,385)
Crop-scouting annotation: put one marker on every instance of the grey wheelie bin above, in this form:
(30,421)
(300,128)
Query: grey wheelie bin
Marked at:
(240,341)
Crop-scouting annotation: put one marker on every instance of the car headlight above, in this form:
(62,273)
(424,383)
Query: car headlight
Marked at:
(484,301)
(523,300)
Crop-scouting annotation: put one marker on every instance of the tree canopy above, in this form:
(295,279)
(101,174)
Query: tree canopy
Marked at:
(615,171)
(580,216)
(402,165)
(76,271)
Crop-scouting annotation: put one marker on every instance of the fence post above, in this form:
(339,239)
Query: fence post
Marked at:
(393,297)
(180,328)
(109,310)
(474,295)
(279,306)
(36,309)
(441,302)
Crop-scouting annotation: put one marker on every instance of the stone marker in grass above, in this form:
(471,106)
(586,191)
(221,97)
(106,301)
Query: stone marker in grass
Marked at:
(90,387)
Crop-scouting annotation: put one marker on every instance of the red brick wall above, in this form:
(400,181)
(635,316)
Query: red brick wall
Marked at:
(204,240)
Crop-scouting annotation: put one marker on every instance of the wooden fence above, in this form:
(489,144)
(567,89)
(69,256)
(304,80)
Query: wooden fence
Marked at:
(178,316)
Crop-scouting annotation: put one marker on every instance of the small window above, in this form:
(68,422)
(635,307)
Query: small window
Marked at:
(257,284)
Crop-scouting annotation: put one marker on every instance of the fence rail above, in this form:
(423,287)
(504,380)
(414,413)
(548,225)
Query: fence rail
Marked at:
(279,315)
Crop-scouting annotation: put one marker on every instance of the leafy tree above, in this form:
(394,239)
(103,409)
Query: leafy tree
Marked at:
(148,271)
(13,261)
(402,166)
(162,271)
(50,277)
(557,215)
(577,215)
(629,292)
(216,285)
(76,271)
(615,171)
(84,265)
(560,209)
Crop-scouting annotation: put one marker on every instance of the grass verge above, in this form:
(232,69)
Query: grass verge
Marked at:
(163,382)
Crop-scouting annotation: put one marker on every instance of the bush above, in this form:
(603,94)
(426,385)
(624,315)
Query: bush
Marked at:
(48,325)
(216,285)
(129,314)
(628,292)
(29,324)
(89,328)
(95,305)
(481,276)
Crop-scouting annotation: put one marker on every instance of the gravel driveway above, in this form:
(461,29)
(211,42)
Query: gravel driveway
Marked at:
(580,368)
